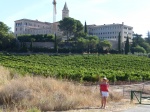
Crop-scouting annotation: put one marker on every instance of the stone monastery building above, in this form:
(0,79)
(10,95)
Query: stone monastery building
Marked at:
(35,27)
(104,32)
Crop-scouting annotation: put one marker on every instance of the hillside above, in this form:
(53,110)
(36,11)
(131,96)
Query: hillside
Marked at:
(38,94)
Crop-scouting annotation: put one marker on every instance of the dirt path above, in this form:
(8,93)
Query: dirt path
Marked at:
(112,107)
(139,108)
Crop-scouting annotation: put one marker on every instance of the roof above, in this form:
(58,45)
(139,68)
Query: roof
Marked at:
(65,6)
(109,25)
(33,21)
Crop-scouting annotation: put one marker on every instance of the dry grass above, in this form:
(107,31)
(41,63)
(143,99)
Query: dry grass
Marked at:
(47,94)
(4,75)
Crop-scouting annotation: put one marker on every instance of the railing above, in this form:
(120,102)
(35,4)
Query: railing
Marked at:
(139,99)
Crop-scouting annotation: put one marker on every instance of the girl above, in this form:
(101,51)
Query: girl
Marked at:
(104,91)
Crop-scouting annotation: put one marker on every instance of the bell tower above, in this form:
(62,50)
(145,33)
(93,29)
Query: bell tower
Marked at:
(65,11)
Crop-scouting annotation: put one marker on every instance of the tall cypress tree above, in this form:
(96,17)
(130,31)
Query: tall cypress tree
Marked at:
(55,44)
(85,28)
(119,42)
(127,46)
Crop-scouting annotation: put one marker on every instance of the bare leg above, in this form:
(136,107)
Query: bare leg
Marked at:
(105,98)
(102,102)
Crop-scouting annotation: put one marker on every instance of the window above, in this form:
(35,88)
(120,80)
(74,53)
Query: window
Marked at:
(125,28)
(129,28)
(16,29)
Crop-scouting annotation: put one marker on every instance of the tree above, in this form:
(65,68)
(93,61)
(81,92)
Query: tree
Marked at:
(127,46)
(137,39)
(37,38)
(105,44)
(4,28)
(138,49)
(7,39)
(55,44)
(85,28)
(70,27)
(119,42)
(31,45)
(92,42)
(146,46)
(82,44)
(79,28)
(148,37)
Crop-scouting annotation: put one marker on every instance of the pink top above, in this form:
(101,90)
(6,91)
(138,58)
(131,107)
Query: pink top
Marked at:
(104,87)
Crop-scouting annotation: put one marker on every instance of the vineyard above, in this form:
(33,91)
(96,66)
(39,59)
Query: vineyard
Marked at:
(81,67)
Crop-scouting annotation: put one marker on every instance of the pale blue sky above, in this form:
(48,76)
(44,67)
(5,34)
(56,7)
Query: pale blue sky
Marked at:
(135,13)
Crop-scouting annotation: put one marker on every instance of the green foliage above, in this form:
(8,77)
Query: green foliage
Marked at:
(127,46)
(85,28)
(146,46)
(105,44)
(148,37)
(119,42)
(139,42)
(79,28)
(81,67)
(56,44)
(138,49)
(36,38)
(7,39)
(92,42)
(70,27)
(33,110)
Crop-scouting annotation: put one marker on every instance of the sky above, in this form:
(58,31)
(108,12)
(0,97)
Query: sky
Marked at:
(135,13)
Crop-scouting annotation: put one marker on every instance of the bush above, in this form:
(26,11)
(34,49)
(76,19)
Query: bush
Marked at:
(33,110)
(138,49)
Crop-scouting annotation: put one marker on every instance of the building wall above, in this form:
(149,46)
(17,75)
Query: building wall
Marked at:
(111,32)
(34,27)
(26,26)
(65,13)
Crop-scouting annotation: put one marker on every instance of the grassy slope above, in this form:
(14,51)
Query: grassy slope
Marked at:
(46,94)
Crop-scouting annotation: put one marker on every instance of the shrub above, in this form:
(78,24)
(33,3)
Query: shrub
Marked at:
(33,110)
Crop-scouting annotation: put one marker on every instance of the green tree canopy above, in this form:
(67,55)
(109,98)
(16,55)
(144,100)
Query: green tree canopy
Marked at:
(119,42)
(146,46)
(70,27)
(7,39)
(138,49)
(105,44)
(37,38)
(127,46)
(4,28)
(85,28)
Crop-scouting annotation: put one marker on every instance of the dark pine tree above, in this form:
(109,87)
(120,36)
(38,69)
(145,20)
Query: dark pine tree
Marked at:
(119,42)
(127,46)
(55,44)
(85,28)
